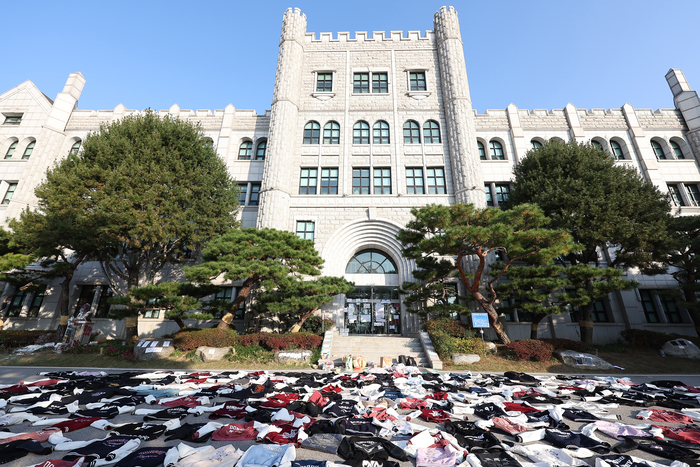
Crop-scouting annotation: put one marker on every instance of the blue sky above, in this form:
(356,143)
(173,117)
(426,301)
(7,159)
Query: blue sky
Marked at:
(205,55)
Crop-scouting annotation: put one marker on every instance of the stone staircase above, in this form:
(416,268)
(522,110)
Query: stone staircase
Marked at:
(372,348)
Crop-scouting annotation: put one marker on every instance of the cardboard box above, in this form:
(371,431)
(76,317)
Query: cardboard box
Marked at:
(385,362)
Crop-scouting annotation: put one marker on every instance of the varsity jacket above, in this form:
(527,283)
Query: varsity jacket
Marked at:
(492,459)
(268,455)
(236,432)
(436,457)
(356,427)
(146,457)
(79,462)
(323,442)
(371,448)
(225,456)
(143,431)
(471,437)
(103,451)
(574,440)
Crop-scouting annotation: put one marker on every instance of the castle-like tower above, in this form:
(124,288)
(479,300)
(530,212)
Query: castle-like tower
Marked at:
(467,175)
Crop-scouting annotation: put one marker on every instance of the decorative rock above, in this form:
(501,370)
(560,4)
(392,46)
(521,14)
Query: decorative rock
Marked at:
(293,358)
(465,358)
(681,348)
(490,346)
(582,360)
(153,349)
(213,354)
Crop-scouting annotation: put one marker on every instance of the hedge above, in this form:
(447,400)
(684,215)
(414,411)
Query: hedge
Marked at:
(568,344)
(448,326)
(642,338)
(292,340)
(16,339)
(191,338)
(530,349)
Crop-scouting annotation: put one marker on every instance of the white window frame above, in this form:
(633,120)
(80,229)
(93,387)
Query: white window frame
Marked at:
(428,87)
(370,72)
(324,95)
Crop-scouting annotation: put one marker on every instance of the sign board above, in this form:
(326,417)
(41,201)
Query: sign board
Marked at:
(480,320)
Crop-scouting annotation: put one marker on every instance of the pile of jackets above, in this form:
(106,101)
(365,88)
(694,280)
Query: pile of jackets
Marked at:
(384,417)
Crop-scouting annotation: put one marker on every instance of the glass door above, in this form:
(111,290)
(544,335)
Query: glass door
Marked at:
(373,310)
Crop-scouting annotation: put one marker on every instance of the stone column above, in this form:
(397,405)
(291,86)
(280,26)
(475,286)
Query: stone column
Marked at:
(688,103)
(467,178)
(275,190)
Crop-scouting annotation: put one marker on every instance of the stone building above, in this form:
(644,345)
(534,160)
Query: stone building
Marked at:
(362,128)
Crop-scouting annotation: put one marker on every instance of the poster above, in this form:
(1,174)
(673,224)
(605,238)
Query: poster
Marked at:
(365,318)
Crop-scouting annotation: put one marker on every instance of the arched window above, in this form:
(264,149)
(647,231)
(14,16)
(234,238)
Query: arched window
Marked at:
(431,132)
(617,150)
(28,151)
(11,150)
(677,150)
(331,133)
(658,150)
(597,145)
(536,144)
(312,132)
(482,151)
(261,150)
(360,133)
(411,132)
(208,142)
(496,150)
(75,148)
(371,262)
(245,151)
(380,133)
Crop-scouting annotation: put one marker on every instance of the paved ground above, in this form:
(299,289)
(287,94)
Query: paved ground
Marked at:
(12,375)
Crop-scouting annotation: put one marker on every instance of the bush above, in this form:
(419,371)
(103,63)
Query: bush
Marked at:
(313,324)
(530,349)
(451,327)
(642,338)
(568,344)
(292,340)
(191,338)
(16,339)
(446,345)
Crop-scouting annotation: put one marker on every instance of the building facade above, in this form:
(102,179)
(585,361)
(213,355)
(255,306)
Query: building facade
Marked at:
(362,129)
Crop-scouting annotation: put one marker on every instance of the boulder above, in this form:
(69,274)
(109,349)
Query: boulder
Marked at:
(153,349)
(490,346)
(293,357)
(681,348)
(213,354)
(465,358)
(582,360)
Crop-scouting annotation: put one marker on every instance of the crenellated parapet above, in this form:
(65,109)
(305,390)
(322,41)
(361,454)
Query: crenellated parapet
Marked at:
(376,37)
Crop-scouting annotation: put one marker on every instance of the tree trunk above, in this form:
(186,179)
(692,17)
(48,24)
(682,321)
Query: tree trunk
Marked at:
(301,321)
(65,298)
(693,310)
(585,324)
(535,324)
(247,286)
(180,322)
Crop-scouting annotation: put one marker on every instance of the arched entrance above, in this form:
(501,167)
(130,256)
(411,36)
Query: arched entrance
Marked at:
(374,306)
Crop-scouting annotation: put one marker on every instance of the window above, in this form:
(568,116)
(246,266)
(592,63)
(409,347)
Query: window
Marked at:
(655,302)
(305,230)
(11,150)
(12,120)
(371,262)
(307,183)
(245,151)
(329,181)
(28,150)
(482,151)
(380,133)
(240,311)
(87,295)
(675,194)
(597,145)
(382,181)
(668,305)
(658,150)
(436,181)
(380,83)
(254,194)
(648,306)
(225,294)
(324,82)
(37,300)
(243,187)
(693,194)
(360,133)
(15,307)
(360,83)
(312,132)
(496,150)
(417,81)
(411,132)
(502,193)
(261,150)
(617,150)
(75,148)
(536,144)
(10,191)
(360,181)
(431,132)
(414,181)
(598,313)
(489,197)
(331,133)
(677,150)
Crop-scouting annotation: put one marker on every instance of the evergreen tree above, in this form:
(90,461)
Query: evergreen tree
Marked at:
(471,235)
(435,294)
(151,189)
(262,258)
(607,208)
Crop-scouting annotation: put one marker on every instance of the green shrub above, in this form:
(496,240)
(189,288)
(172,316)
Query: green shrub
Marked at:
(530,349)
(568,344)
(16,339)
(448,326)
(191,338)
(446,345)
(314,325)
(642,338)
(250,354)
